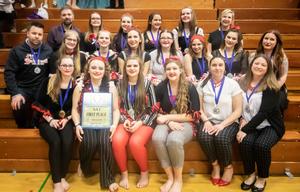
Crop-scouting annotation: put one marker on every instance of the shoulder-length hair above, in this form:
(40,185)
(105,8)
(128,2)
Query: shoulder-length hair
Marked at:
(209,66)
(277,53)
(76,53)
(140,104)
(140,48)
(225,11)
(183,86)
(125,15)
(172,48)
(106,76)
(269,79)
(192,23)
(90,29)
(239,44)
(53,89)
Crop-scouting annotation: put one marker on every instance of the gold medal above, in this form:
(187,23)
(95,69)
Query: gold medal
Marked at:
(62,114)
(173,111)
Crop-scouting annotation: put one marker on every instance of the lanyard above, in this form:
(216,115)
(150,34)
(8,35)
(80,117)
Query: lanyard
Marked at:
(217,96)
(155,41)
(61,100)
(229,63)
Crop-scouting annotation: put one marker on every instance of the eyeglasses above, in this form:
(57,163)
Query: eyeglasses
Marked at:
(69,39)
(66,66)
(95,18)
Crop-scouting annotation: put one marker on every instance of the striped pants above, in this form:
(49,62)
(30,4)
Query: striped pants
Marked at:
(218,147)
(97,141)
(256,148)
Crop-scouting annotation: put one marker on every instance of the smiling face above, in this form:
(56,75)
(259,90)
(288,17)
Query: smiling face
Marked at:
(66,66)
(231,39)
(186,15)
(96,69)
(226,19)
(217,67)
(71,42)
(166,39)
(197,46)
(173,71)
(67,16)
(104,39)
(269,41)
(259,67)
(134,39)
(132,68)
(126,23)
(156,22)
(95,20)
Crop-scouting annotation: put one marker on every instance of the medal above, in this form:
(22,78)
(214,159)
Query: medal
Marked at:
(173,111)
(229,75)
(37,70)
(186,50)
(247,108)
(216,110)
(62,114)
(202,66)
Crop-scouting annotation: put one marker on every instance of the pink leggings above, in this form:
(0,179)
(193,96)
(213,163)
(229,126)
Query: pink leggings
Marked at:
(137,142)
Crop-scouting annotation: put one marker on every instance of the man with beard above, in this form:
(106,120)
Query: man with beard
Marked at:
(56,34)
(26,67)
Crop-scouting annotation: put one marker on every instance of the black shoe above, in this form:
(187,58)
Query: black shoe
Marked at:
(256,189)
(246,187)
(110,7)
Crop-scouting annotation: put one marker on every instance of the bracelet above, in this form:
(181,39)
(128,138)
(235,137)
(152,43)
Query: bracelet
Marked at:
(50,121)
(77,124)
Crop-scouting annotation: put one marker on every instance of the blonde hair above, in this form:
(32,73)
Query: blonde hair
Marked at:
(224,12)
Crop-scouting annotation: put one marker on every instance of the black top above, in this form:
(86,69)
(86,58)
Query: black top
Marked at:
(116,45)
(269,110)
(54,59)
(148,43)
(181,40)
(239,64)
(215,38)
(44,102)
(87,46)
(196,69)
(162,96)
(22,75)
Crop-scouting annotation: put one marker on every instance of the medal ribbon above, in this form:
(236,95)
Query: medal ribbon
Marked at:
(222,33)
(229,63)
(172,98)
(202,66)
(107,55)
(131,94)
(186,39)
(252,92)
(217,96)
(61,101)
(36,55)
(123,42)
(155,41)
(163,58)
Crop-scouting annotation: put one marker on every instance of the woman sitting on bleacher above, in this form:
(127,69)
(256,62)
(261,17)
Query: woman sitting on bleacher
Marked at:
(109,55)
(179,102)
(166,48)
(135,47)
(96,80)
(215,38)
(54,104)
(69,46)
(151,35)
(88,40)
(236,59)
(120,39)
(261,125)
(195,61)
(221,106)
(187,27)
(271,45)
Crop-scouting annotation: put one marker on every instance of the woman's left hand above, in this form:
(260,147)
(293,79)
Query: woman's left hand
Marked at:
(240,136)
(218,128)
(135,125)
(62,123)
(175,126)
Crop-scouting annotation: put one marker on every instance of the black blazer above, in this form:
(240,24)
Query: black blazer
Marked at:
(269,110)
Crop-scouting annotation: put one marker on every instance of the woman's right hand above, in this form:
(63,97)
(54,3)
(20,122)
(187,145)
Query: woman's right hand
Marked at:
(208,128)
(55,123)
(175,126)
(79,133)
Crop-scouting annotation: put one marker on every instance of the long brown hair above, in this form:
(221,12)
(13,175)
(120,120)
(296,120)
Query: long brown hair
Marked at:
(277,52)
(192,23)
(76,54)
(140,103)
(183,87)
(173,51)
(53,89)
(269,79)
(239,44)
(87,76)
(202,40)
(91,30)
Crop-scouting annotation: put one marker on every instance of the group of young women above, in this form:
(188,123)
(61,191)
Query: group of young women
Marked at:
(180,89)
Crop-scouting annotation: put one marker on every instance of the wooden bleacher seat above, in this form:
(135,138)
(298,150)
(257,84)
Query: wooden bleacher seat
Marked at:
(247,26)
(256,4)
(166,3)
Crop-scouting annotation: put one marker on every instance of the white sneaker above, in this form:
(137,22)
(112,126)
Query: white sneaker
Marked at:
(32,5)
(45,6)
(54,3)
(22,5)
(13,30)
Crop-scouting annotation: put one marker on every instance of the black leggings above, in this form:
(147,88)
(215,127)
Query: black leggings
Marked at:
(60,148)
